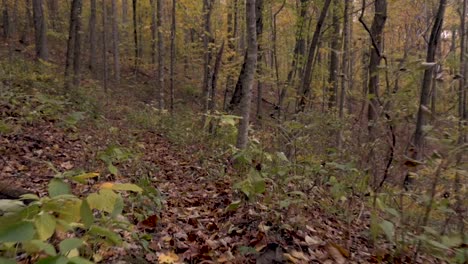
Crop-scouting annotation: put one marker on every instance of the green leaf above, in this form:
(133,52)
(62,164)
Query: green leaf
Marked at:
(43,246)
(110,235)
(10,206)
(82,177)
(68,244)
(45,225)
(86,214)
(30,196)
(388,228)
(53,260)
(112,169)
(281,156)
(58,187)
(118,207)
(126,187)
(17,232)
(104,200)
(79,260)
(233,206)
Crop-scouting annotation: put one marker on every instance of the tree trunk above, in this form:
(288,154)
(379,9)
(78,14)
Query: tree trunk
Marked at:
(247,81)
(334,60)
(346,74)
(115,42)
(207,40)
(214,78)
(426,83)
(104,46)
(28,23)
(237,94)
(462,88)
(54,18)
(135,35)
(307,75)
(299,47)
(376,46)
(92,38)
(40,30)
(231,35)
(260,55)
(153,32)
(6,20)
(73,46)
(160,55)
(173,54)
(77,48)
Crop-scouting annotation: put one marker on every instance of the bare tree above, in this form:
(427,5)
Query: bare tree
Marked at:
(427,79)
(260,55)
(207,40)
(92,37)
(40,30)
(160,55)
(135,34)
(154,28)
(73,46)
(462,88)
(247,81)
(345,66)
(104,45)
(6,20)
(54,14)
(115,41)
(304,89)
(376,45)
(334,59)
(173,54)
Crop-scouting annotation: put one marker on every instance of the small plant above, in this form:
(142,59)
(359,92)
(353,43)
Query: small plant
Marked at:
(74,225)
(113,155)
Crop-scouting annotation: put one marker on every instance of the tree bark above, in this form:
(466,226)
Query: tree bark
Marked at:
(40,30)
(231,35)
(115,42)
(72,64)
(237,94)
(105,74)
(92,38)
(173,54)
(6,20)
(207,40)
(247,81)
(345,69)
(160,55)
(54,17)
(135,35)
(334,60)
(462,88)
(154,28)
(260,55)
(307,75)
(426,83)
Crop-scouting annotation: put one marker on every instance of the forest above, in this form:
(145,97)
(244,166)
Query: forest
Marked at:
(233,131)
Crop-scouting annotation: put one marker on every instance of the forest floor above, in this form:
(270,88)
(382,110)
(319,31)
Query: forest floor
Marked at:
(193,224)
(202,218)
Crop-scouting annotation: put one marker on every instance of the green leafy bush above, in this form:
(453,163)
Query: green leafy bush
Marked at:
(74,225)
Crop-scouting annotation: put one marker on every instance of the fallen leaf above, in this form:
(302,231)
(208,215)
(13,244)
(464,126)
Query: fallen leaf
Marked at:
(67,165)
(106,185)
(312,241)
(150,222)
(335,254)
(168,258)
